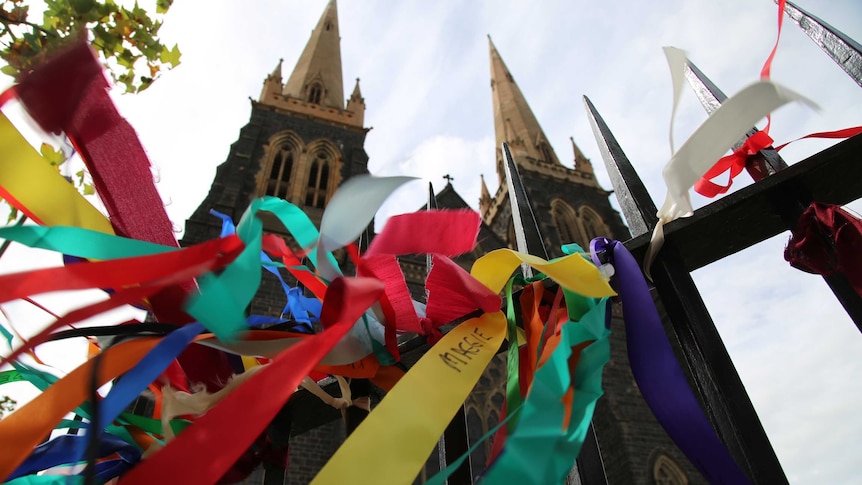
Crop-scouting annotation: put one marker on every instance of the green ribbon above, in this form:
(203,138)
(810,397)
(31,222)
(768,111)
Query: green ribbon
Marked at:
(513,385)
(540,438)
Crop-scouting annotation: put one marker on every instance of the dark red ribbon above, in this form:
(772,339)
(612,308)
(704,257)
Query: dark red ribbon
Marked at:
(69,93)
(827,240)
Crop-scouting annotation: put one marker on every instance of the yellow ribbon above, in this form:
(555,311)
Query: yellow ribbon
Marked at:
(48,197)
(394,441)
(572,272)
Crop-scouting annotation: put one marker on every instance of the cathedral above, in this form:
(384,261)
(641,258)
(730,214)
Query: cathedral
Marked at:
(303,139)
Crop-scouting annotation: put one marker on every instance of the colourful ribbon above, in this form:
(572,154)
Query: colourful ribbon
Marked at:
(207,448)
(827,240)
(395,440)
(33,186)
(733,163)
(659,376)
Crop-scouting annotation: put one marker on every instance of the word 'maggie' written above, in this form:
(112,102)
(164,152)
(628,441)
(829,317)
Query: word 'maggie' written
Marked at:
(462,353)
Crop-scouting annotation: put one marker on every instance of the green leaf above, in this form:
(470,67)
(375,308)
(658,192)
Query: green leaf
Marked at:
(54,157)
(89,189)
(13,214)
(82,6)
(9,70)
(170,56)
(162,6)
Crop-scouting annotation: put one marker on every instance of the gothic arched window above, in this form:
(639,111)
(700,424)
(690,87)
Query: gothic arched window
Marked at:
(667,472)
(318,180)
(568,226)
(280,172)
(315,93)
(593,224)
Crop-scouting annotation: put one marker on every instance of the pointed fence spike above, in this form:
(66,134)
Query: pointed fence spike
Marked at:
(637,205)
(528,238)
(845,51)
(767,162)
(432,204)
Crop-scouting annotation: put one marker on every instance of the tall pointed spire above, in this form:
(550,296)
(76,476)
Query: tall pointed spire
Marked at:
(356,104)
(272,84)
(514,121)
(582,163)
(317,75)
(484,196)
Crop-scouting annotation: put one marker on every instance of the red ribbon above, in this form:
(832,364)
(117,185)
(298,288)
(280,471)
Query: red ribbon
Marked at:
(827,240)
(734,163)
(845,133)
(205,451)
(69,94)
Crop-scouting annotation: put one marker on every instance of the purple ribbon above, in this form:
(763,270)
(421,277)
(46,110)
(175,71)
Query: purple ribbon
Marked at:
(658,374)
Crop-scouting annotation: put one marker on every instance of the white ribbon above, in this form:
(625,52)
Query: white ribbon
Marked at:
(709,142)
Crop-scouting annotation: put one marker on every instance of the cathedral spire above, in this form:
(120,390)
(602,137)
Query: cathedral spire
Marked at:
(317,75)
(356,104)
(484,196)
(272,84)
(582,163)
(514,121)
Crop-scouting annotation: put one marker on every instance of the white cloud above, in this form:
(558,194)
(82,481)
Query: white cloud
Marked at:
(425,79)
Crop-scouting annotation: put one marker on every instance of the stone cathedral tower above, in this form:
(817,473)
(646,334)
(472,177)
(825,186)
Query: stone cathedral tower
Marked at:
(303,140)
(570,206)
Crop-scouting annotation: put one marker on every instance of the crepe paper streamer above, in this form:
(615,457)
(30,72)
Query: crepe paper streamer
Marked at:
(29,424)
(540,439)
(37,189)
(396,305)
(659,376)
(733,163)
(453,293)
(443,475)
(513,386)
(69,93)
(709,142)
(351,210)
(64,448)
(10,376)
(83,243)
(534,326)
(826,241)
(206,449)
(394,441)
(164,269)
(447,232)
(571,272)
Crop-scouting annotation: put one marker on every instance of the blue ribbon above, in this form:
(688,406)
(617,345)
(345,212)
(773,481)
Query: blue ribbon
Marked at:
(658,374)
(62,450)
(301,308)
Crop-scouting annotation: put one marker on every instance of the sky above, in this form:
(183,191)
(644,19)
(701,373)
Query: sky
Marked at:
(425,76)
